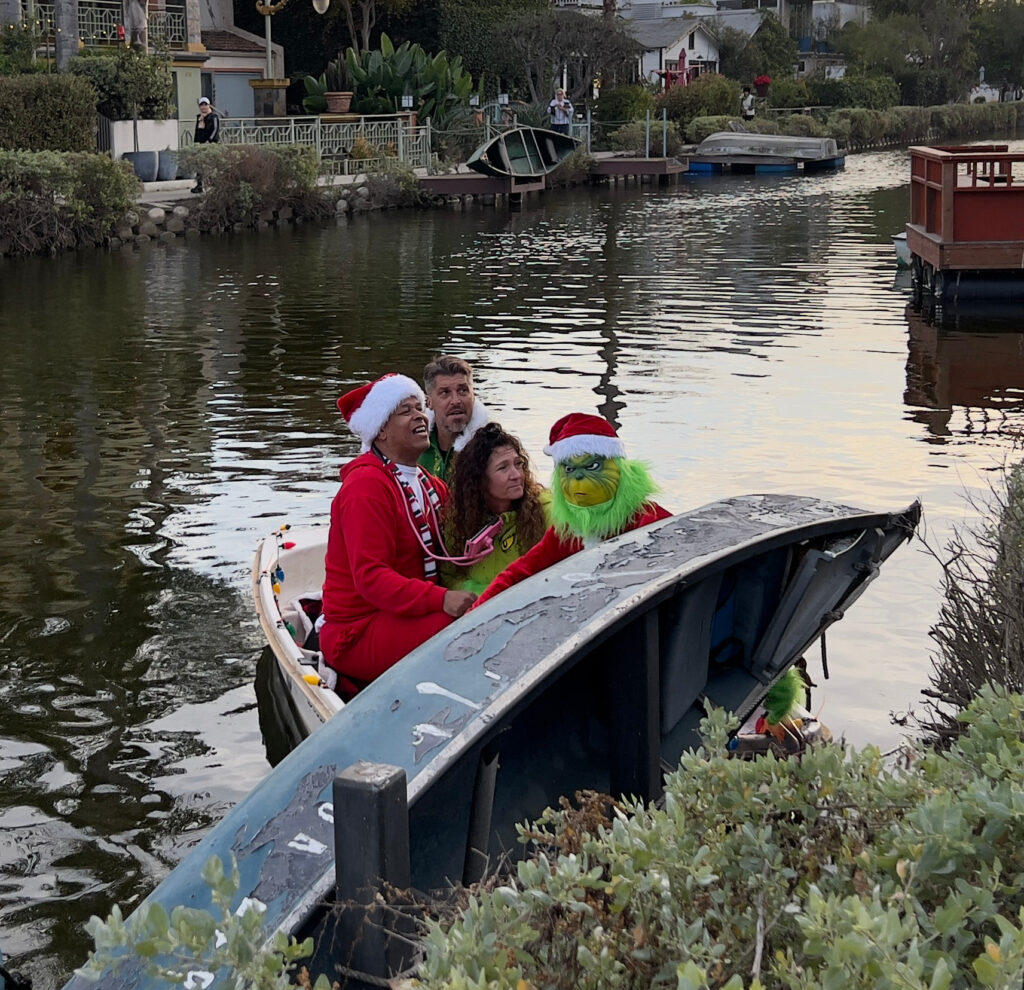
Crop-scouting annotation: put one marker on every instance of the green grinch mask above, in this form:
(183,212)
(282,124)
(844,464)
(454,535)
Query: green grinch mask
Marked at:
(588,479)
(615,487)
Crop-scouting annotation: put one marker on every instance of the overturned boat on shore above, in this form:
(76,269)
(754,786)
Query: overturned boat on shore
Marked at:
(593,674)
(744,151)
(522,153)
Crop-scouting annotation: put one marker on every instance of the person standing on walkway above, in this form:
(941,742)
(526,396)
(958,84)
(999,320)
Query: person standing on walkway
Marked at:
(207,132)
(747,104)
(560,109)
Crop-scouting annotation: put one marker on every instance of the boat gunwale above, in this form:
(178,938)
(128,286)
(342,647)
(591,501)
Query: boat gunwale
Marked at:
(533,677)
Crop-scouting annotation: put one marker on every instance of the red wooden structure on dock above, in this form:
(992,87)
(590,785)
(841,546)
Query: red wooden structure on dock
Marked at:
(966,217)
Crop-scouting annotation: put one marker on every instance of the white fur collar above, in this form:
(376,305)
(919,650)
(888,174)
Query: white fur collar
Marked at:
(480,417)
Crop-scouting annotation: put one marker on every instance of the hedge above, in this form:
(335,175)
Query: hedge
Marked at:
(51,201)
(857,127)
(47,113)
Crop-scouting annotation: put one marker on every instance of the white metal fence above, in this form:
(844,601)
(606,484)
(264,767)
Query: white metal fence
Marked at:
(375,141)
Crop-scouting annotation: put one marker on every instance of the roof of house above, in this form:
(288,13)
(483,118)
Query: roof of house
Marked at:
(228,41)
(666,32)
(745,21)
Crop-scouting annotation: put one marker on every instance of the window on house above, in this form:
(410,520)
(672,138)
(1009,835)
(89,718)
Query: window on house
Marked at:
(691,41)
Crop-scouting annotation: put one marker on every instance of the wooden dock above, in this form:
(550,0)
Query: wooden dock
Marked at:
(488,188)
(664,169)
(966,219)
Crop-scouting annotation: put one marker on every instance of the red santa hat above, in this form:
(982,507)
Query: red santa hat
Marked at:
(583,433)
(366,409)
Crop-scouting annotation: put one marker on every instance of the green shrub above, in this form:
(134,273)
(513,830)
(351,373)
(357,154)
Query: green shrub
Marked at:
(632,138)
(871,92)
(18,44)
(242,181)
(128,83)
(50,201)
(395,185)
(47,113)
(787,92)
(837,870)
(573,170)
(623,104)
(707,96)
(801,125)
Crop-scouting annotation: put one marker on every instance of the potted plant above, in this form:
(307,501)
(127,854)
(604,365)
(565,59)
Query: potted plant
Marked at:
(761,84)
(339,85)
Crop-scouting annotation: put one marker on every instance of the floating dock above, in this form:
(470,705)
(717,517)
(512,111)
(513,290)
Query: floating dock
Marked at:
(966,230)
(488,188)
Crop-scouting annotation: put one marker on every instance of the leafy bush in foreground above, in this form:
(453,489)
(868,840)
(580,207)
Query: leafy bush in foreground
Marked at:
(835,871)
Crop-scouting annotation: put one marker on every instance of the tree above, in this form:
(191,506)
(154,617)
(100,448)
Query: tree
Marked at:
(997,31)
(587,48)
(769,51)
(361,16)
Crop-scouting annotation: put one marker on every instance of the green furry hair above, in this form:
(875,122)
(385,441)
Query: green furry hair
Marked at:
(783,696)
(609,518)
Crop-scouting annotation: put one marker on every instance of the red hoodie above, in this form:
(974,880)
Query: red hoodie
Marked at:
(373,547)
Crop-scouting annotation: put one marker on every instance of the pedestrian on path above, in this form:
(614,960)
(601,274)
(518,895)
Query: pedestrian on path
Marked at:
(207,132)
(560,109)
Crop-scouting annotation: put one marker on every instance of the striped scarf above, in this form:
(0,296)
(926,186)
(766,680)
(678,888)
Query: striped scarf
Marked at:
(419,518)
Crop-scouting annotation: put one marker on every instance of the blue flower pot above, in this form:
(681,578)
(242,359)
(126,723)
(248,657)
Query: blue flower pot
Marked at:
(145,163)
(167,169)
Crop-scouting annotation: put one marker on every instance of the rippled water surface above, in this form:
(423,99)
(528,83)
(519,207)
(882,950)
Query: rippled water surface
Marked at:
(163,408)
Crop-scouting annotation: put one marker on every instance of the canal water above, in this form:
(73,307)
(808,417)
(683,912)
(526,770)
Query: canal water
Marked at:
(163,408)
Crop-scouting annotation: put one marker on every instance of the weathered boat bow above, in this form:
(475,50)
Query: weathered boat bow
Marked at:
(593,674)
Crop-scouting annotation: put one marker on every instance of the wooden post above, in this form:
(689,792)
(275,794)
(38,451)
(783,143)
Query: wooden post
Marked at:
(371,839)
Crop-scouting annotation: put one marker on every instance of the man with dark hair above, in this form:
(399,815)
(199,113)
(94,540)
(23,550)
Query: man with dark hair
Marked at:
(381,594)
(454,413)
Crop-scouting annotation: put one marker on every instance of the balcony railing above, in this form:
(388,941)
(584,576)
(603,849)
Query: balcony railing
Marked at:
(101,22)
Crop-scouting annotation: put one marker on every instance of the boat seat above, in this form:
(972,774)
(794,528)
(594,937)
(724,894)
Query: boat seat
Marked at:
(685,630)
(548,152)
(498,150)
(297,614)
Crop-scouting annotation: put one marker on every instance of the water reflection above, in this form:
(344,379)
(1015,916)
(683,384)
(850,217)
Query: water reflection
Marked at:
(975,374)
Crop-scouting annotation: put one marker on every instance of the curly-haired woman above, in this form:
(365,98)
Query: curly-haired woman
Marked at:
(492,478)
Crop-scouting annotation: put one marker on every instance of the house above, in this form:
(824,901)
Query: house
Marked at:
(209,55)
(675,44)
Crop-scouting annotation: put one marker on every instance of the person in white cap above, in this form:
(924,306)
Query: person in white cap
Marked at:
(207,132)
(596,493)
(381,596)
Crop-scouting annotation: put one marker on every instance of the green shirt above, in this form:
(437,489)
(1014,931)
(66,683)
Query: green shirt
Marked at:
(441,464)
(506,551)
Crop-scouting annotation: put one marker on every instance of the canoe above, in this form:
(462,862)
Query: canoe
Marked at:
(593,674)
(743,150)
(287,575)
(522,153)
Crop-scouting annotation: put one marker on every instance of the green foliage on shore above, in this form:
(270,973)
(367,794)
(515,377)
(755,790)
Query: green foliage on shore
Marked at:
(980,629)
(241,182)
(707,96)
(50,201)
(856,128)
(632,138)
(128,83)
(47,113)
(837,870)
